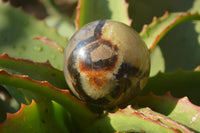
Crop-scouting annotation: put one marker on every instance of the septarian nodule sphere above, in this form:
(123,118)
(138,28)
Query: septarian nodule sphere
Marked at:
(106,63)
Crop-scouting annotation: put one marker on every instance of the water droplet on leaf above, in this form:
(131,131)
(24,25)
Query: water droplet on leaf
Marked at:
(38,48)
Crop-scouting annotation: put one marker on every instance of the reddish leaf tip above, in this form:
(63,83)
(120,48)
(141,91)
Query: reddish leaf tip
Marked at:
(10,116)
(187,101)
(188,13)
(154,19)
(127,6)
(4,55)
(78,8)
(3,72)
(166,13)
(144,28)
(47,63)
(197,68)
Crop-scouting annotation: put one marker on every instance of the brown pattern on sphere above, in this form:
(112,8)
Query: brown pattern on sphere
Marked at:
(100,55)
(100,61)
(106,63)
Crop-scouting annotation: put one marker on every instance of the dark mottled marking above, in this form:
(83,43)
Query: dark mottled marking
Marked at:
(97,35)
(105,64)
(100,101)
(75,74)
(130,93)
(78,86)
(126,70)
(116,92)
(84,43)
(77,83)
(88,41)
(123,85)
(82,94)
(98,29)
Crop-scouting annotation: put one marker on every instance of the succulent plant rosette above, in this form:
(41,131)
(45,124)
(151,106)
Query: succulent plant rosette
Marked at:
(112,66)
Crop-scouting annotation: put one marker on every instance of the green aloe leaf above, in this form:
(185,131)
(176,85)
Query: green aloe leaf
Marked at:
(180,110)
(141,120)
(91,10)
(17,30)
(155,31)
(180,47)
(139,9)
(36,71)
(44,89)
(180,84)
(43,116)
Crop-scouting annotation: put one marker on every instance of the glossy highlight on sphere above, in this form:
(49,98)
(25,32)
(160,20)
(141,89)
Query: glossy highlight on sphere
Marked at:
(106,63)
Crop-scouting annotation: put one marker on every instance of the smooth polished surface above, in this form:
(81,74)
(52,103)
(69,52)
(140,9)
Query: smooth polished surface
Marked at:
(106,63)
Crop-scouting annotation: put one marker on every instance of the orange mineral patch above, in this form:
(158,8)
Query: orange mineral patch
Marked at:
(97,79)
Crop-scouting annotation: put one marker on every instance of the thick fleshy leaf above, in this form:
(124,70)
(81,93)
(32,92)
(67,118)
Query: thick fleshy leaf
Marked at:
(180,84)
(157,61)
(44,89)
(91,10)
(17,30)
(180,110)
(139,9)
(180,47)
(36,117)
(37,71)
(142,120)
(154,32)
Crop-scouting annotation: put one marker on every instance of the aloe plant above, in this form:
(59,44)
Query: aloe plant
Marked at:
(36,98)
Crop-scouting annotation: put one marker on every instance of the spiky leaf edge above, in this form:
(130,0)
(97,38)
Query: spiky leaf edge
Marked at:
(40,116)
(43,88)
(178,109)
(177,18)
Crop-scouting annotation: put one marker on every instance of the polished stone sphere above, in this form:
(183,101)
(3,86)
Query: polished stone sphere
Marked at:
(106,63)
